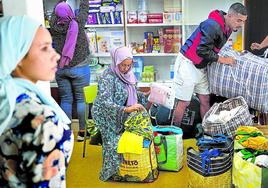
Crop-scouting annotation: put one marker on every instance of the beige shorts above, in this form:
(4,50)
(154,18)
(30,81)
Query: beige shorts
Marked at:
(188,79)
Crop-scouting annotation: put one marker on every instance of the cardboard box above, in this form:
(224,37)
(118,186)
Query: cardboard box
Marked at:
(172,6)
(155,20)
(172,17)
(132,17)
(168,17)
(172,40)
(142,16)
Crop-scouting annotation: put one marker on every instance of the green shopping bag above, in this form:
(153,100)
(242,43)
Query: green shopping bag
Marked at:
(169,147)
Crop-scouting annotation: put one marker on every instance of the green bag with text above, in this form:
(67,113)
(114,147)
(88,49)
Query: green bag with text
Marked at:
(169,147)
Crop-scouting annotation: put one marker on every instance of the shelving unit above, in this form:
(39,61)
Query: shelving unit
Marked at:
(153,25)
(100,55)
(163,82)
(195,11)
(135,33)
(105,26)
(156,55)
(192,13)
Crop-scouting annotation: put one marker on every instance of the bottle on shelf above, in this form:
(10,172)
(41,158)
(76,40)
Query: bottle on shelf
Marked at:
(142,11)
(171,71)
(142,5)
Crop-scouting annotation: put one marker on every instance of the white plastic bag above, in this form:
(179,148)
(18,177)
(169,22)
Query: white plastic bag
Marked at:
(162,95)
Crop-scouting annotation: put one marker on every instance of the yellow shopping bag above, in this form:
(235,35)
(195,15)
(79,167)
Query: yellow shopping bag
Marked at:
(248,175)
(138,167)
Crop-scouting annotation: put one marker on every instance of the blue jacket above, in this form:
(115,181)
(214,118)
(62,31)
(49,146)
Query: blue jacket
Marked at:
(206,41)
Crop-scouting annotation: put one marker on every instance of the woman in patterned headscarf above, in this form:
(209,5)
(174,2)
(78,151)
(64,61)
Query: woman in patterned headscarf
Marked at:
(35,140)
(117,97)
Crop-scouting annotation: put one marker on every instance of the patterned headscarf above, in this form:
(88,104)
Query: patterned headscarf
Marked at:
(16,37)
(65,15)
(119,54)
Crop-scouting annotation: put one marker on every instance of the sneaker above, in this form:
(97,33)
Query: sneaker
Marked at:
(80,136)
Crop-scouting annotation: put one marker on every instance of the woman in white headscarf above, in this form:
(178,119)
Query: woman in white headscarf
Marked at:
(35,140)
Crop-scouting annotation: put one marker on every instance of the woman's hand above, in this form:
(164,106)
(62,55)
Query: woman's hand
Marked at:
(133,108)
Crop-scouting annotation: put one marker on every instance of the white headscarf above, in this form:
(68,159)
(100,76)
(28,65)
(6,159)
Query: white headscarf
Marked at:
(16,36)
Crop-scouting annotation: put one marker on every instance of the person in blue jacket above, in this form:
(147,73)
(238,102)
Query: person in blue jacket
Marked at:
(201,49)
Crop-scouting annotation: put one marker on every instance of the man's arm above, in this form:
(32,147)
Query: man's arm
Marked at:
(206,45)
(257,46)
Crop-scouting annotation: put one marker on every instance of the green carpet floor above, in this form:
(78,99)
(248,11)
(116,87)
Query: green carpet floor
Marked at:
(84,172)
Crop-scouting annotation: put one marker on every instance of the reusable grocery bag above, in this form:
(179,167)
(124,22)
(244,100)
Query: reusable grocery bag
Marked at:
(247,78)
(247,174)
(140,124)
(231,122)
(138,168)
(210,168)
(218,141)
(162,95)
(169,147)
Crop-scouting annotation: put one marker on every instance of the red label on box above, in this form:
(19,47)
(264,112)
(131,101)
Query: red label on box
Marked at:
(154,20)
(155,15)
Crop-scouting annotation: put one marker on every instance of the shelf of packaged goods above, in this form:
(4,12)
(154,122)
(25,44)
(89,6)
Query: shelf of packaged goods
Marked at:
(104,25)
(141,55)
(99,26)
(168,83)
(153,25)
(101,55)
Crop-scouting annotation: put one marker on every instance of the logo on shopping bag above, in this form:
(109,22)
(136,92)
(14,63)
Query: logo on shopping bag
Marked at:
(188,117)
(130,163)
